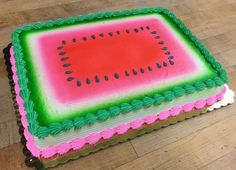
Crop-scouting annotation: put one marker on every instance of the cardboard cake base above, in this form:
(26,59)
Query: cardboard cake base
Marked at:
(43,163)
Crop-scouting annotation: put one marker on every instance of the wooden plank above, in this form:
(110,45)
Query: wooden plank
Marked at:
(193,151)
(7,111)
(221,42)
(8,126)
(15,5)
(9,133)
(5,34)
(163,137)
(228,56)
(226,162)
(12,158)
(105,159)
(210,23)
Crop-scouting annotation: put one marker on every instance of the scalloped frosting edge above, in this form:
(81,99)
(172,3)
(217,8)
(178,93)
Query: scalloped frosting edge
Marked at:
(103,115)
(94,138)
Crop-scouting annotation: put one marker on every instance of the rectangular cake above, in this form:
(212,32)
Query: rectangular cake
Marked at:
(85,83)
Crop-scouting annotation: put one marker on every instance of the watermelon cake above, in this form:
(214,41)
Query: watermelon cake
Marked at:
(85,83)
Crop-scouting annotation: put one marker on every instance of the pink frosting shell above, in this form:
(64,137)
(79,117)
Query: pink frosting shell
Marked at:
(108,133)
(188,107)
(150,119)
(78,143)
(92,139)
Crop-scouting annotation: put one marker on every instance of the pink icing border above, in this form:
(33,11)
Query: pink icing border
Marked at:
(92,139)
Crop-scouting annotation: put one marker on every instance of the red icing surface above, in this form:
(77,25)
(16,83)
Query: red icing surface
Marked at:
(109,55)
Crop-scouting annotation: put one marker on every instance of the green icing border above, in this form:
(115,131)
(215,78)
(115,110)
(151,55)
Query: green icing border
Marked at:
(103,115)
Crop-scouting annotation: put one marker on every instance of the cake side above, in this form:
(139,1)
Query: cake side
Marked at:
(73,154)
(49,146)
(55,128)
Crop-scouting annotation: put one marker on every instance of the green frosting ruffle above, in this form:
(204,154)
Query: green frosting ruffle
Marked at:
(137,104)
(90,118)
(178,91)
(114,111)
(67,125)
(148,101)
(189,89)
(102,115)
(125,107)
(158,99)
(200,86)
(55,128)
(79,122)
(169,95)
(42,132)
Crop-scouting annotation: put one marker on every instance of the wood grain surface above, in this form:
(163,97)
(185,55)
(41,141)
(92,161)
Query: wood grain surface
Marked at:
(204,142)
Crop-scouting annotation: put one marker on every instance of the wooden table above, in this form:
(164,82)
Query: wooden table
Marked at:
(204,142)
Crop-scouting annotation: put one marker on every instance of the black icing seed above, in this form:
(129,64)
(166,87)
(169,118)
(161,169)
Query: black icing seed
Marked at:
(116,75)
(64,42)
(101,35)
(68,72)
(64,58)
(149,68)
(66,65)
(157,37)
(118,32)
(171,57)
(134,72)
(60,47)
(106,78)
(88,81)
(127,31)
(153,32)
(158,65)
(62,53)
(126,73)
(141,28)
(164,64)
(141,70)
(164,48)
(167,53)
(148,27)
(161,42)
(135,30)
(97,79)
(110,33)
(93,36)
(70,78)
(74,39)
(78,83)
(84,38)
(171,62)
